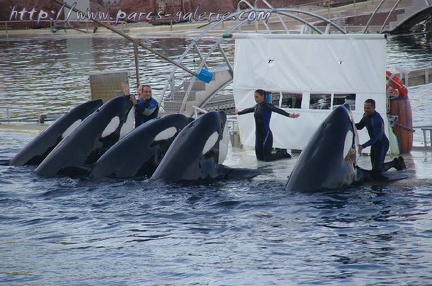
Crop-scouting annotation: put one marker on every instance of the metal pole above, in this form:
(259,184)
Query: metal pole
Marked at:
(135,43)
(131,39)
(355,9)
(182,7)
(370,18)
(389,14)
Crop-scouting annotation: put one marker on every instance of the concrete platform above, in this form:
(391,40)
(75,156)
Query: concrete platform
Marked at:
(418,162)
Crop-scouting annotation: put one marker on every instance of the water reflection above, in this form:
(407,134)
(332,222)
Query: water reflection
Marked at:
(52,73)
(241,232)
(410,52)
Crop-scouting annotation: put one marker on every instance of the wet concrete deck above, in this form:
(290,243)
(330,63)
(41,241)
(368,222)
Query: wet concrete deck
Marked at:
(418,162)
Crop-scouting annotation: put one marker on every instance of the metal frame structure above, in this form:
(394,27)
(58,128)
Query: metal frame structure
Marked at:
(170,87)
(199,43)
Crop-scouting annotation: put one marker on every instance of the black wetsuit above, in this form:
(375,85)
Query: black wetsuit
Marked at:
(145,110)
(378,142)
(263,135)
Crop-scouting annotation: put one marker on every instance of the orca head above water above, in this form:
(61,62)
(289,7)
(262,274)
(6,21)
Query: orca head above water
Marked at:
(84,145)
(198,151)
(37,150)
(140,152)
(329,159)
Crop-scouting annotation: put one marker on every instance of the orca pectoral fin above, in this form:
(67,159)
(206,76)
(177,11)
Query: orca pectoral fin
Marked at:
(238,173)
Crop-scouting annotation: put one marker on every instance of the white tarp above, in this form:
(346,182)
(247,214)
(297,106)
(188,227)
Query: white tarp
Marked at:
(307,64)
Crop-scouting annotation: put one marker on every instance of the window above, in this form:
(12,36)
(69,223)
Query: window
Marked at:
(273,97)
(340,99)
(320,101)
(289,100)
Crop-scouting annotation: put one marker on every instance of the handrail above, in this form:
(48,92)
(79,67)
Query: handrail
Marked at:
(282,11)
(389,14)
(203,62)
(136,42)
(8,110)
(7,30)
(197,109)
(288,12)
(373,14)
(123,23)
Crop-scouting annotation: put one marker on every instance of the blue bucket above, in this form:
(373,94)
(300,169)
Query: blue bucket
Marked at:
(204,75)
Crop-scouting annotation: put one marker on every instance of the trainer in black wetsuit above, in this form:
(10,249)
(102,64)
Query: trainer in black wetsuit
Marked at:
(146,107)
(378,142)
(263,135)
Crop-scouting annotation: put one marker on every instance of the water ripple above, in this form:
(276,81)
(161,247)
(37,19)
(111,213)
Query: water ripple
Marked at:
(62,231)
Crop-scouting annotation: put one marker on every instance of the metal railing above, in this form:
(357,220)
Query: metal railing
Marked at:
(32,114)
(54,25)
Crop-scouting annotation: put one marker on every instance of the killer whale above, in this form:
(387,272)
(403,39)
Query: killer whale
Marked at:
(37,150)
(198,151)
(74,155)
(329,159)
(140,152)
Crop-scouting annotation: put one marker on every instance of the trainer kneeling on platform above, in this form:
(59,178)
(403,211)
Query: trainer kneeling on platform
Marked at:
(378,142)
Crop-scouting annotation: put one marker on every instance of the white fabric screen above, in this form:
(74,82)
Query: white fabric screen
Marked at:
(352,64)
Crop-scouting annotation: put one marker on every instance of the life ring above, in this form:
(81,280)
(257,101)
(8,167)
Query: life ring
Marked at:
(395,86)
(391,92)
